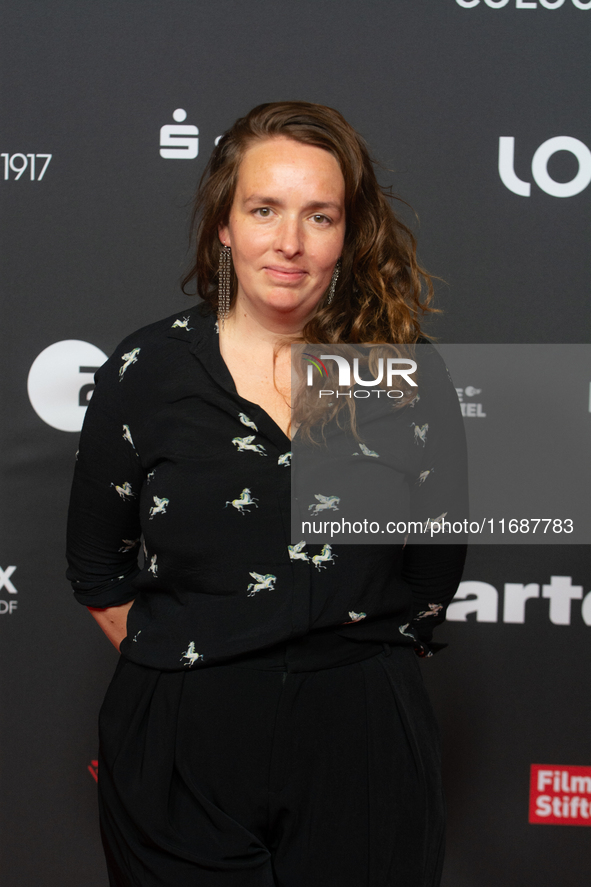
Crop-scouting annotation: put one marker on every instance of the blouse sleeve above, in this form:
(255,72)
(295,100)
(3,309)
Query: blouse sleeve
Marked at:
(103,536)
(439,494)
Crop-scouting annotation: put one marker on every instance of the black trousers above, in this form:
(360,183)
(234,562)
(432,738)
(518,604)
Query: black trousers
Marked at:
(261,773)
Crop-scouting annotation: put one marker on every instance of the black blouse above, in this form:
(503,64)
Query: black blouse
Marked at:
(163,466)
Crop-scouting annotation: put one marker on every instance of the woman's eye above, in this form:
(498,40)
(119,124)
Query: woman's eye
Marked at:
(320,219)
(264,211)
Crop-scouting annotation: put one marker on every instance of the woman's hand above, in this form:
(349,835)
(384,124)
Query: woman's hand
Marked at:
(113,621)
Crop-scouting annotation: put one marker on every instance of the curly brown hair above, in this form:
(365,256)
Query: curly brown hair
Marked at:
(382,291)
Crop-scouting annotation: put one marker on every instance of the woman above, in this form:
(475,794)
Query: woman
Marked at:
(267,723)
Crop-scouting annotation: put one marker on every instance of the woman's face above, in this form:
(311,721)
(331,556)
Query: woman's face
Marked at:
(286,227)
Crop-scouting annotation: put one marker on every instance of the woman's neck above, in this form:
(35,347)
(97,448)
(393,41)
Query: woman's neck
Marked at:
(260,363)
(268,332)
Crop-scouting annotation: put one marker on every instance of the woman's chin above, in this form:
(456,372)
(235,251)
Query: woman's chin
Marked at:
(289,302)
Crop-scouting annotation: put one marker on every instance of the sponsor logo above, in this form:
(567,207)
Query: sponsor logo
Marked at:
(7,607)
(481,599)
(525,4)
(60,382)
(179,141)
(5,580)
(470,410)
(18,163)
(539,167)
(559,795)
(93,770)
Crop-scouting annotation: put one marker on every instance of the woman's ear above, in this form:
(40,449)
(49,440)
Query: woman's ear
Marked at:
(224,235)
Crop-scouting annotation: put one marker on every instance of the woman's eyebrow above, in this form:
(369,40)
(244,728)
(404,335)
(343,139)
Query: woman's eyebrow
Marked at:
(325,204)
(262,200)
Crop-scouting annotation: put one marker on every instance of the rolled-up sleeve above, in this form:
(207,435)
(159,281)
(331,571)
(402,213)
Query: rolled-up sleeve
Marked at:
(433,573)
(103,535)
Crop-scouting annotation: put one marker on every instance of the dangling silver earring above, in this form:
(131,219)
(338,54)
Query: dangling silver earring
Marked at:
(224,283)
(333,282)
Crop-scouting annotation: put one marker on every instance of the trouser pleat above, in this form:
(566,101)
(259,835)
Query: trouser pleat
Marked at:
(423,739)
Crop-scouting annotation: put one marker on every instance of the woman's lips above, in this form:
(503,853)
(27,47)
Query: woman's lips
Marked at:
(287,275)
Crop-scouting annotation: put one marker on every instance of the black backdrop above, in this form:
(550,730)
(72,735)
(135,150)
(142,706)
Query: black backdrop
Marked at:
(94,248)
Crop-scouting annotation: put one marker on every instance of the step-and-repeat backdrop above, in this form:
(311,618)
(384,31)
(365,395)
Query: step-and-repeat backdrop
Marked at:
(477,111)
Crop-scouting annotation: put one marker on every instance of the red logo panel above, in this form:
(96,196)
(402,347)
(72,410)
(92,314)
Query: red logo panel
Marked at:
(560,795)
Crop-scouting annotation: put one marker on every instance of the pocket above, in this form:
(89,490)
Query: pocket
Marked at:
(118,668)
(406,679)
(110,710)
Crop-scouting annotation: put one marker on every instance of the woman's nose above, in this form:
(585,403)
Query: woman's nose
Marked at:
(289,239)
